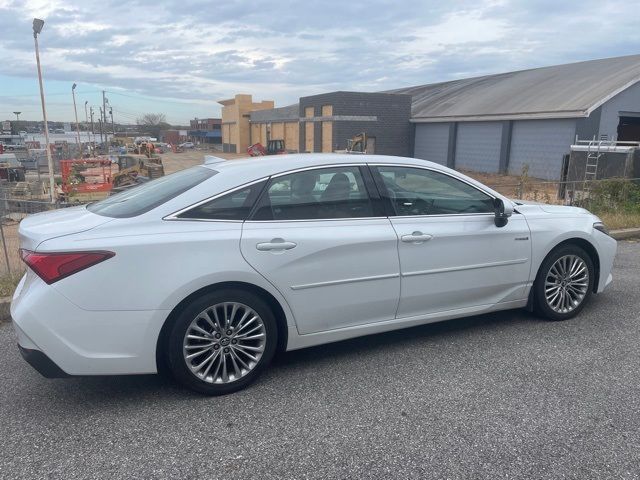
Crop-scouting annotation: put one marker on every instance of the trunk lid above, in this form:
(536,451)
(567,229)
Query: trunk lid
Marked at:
(37,228)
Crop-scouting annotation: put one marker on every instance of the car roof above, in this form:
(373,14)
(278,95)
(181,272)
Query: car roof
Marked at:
(274,164)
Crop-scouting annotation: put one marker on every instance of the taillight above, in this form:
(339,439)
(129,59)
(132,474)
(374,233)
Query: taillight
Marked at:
(52,267)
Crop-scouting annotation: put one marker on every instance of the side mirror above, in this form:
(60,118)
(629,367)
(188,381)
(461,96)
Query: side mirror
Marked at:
(502,212)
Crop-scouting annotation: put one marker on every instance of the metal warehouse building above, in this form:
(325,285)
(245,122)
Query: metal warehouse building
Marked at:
(495,124)
(500,123)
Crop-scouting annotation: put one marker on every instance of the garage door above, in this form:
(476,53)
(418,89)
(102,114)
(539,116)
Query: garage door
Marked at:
(540,144)
(478,146)
(431,143)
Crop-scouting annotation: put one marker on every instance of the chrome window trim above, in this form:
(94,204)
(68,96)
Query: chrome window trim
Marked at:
(174,216)
(343,219)
(317,167)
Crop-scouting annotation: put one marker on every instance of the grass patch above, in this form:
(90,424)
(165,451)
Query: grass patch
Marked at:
(616,202)
(617,220)
(8,284)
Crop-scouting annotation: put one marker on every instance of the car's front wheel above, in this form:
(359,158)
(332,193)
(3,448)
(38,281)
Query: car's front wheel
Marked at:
(564,283)
(222,342)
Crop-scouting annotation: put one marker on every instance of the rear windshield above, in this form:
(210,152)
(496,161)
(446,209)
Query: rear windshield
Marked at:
(147,196)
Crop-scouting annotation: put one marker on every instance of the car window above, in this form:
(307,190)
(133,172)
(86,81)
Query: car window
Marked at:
(232,206)
(147,196)
(334,192)
(416,191)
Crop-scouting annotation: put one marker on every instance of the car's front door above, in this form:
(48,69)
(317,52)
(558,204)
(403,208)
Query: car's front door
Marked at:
(318,237)
(452,255)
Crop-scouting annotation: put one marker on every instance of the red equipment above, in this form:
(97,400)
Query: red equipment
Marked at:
(87,175)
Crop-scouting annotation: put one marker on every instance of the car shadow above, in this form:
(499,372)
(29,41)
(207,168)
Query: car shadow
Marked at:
(121,389)
(388,340)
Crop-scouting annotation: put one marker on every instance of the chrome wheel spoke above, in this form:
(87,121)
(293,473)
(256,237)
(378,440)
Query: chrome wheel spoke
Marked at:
(197,328)
(224,342)
(566,283)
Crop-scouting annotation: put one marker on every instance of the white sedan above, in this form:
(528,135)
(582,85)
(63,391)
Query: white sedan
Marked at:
(206,273)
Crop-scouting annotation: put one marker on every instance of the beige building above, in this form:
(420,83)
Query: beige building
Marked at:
(236,113)
(277,124)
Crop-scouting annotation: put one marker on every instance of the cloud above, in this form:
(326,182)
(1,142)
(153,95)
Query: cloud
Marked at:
(202,51)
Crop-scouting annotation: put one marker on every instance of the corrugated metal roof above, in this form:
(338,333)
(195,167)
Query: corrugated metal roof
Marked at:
(561,91)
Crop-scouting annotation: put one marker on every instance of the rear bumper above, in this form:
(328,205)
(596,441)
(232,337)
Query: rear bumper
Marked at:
(58,338)
(43,364)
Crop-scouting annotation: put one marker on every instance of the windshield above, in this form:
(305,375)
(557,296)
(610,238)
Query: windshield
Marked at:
(147,196)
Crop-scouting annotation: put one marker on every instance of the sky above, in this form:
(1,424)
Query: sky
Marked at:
(180,57)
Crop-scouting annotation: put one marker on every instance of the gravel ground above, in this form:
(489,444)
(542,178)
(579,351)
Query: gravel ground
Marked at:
(497,396)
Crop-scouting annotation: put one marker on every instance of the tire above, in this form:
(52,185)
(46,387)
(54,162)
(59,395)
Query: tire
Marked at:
(225,357)
(561,290)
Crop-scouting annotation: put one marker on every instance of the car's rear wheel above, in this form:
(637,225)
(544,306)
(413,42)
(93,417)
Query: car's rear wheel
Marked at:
(564,283)
(222,342)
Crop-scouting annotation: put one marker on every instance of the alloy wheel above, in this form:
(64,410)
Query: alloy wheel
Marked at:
(224,343)
(566,283)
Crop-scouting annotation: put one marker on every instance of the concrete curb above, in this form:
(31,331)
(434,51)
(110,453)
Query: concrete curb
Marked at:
(5,314)
(625,233)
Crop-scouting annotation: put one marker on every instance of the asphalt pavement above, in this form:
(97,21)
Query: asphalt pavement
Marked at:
(497,396)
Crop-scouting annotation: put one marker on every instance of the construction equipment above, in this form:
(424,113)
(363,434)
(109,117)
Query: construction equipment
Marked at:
(357,143)
(85,180)
(10,168)
(131,167)
(274,147)
(145,148)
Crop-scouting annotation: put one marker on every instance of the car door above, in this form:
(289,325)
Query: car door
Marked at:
(320,238)
(452,255)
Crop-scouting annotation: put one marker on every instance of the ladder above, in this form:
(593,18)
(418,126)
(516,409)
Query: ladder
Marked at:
(593,156)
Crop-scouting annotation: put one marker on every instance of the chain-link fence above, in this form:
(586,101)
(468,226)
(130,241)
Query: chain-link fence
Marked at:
(12,211)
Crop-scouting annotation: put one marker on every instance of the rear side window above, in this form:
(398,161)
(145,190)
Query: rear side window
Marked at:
(232,206)
(332,192)
(150,195)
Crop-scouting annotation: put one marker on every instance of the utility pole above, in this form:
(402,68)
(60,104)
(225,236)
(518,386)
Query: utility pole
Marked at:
(91,112)
(86,120)
(75,110)
(104,113)
(101,124)
(113,125)
(37,28)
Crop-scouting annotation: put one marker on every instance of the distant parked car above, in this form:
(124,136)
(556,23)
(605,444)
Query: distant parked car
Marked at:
(187,145)
(219,266)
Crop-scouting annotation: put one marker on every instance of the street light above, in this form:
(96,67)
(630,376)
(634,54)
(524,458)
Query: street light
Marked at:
(75,110)
(17,114)
(37,28)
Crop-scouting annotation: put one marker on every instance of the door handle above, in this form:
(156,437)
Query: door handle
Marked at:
(416,237)
(276,244)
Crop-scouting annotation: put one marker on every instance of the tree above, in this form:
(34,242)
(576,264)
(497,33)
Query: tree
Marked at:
(153,123)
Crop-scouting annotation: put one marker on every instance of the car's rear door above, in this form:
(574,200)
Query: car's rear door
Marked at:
(452,255)
(319,236)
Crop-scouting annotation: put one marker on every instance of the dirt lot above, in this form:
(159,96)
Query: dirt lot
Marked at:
(174,162)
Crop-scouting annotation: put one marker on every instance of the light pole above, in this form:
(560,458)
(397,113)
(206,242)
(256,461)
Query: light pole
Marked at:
(75,110)
(86,117)
(37,28)
(17,114)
